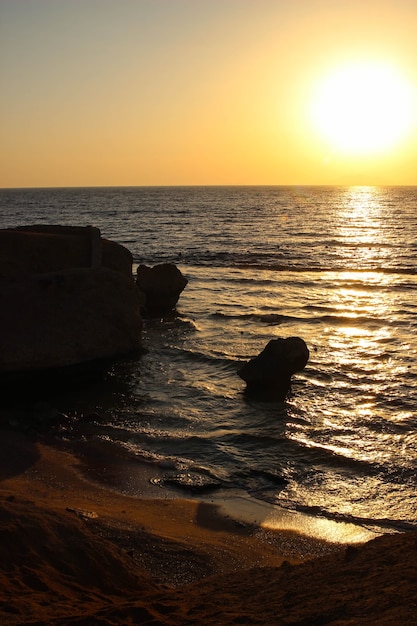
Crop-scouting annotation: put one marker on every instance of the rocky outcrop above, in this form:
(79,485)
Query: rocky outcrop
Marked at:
(66,298)
(269,374)
(162,286)
(42,249)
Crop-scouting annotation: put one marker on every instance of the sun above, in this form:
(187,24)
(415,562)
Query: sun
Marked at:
(363,108)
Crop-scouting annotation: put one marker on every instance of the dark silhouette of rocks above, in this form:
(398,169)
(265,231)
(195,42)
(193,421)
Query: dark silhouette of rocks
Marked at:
(269,374)
(43,249)
(67,298)
(162,286)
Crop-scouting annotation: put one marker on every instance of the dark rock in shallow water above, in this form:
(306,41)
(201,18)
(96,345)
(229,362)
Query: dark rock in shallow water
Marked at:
(162,286)
(269,374)
(192,482)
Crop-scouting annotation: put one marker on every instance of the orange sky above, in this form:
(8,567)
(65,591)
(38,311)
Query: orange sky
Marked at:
(183,92)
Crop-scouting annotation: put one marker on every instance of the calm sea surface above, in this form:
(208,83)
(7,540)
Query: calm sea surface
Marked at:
(335,266)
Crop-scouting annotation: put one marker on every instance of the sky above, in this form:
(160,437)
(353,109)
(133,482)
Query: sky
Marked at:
(208,92)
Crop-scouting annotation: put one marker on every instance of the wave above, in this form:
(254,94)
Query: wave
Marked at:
(267,318)
(321,261)
(382,522)
(227,363)
(275,319)
(304,263)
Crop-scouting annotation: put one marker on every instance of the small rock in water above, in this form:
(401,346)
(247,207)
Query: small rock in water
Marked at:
(269,374)
(192,481)
(161,286)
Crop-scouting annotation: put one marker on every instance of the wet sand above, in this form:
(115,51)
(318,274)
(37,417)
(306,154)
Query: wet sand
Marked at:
(75,551)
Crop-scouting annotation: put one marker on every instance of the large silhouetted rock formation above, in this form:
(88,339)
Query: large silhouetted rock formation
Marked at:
(269,374)
(67,297)
(41,249)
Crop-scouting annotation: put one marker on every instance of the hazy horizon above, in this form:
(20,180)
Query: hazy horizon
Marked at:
(179,185)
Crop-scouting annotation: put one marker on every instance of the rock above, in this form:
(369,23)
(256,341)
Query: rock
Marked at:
(61,306)
(50,248)
(269,373)
(162,286)
(67,317)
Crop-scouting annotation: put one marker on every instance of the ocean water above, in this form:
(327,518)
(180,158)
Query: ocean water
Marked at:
(335,266)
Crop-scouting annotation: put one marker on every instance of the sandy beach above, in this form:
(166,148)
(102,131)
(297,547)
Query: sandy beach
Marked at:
(75,552)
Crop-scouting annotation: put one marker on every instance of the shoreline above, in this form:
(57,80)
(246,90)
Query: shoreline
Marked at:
(53,474)
(73,549)
(139,479)
(104,466)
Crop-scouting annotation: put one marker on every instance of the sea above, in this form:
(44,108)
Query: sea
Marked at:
(336,266)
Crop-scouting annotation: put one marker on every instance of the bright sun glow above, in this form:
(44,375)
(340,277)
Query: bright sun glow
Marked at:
(363,108)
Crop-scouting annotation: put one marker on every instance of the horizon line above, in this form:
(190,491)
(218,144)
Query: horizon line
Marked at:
(170,186)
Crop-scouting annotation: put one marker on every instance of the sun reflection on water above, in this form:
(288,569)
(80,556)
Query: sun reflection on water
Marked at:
(362,229)
(362,341)
(362,206)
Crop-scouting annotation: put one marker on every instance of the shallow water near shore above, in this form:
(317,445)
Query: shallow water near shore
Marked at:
(335,266)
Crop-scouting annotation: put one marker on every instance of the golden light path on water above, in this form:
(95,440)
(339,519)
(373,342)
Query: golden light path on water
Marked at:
(361,224)
(366,349)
